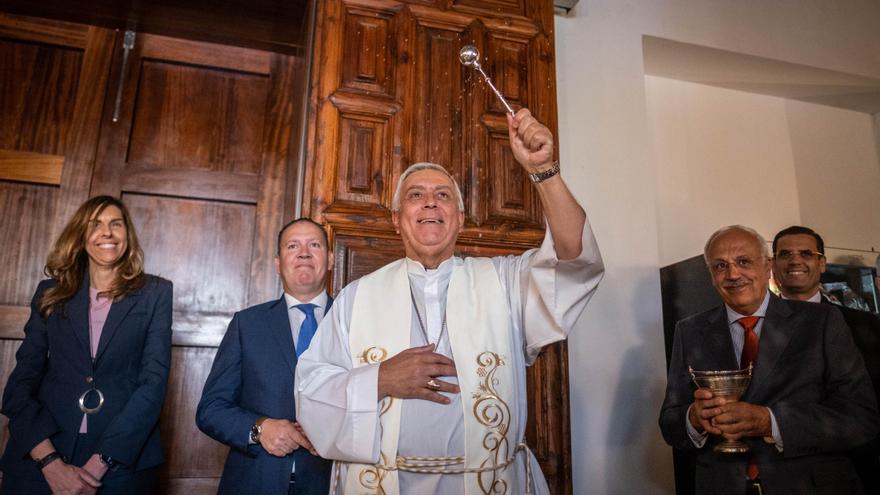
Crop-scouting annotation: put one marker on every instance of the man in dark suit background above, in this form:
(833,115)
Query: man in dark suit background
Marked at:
(248,399)
(809,398)
(798,263)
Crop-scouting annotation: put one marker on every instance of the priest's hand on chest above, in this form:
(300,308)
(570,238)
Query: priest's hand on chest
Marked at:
(414,374)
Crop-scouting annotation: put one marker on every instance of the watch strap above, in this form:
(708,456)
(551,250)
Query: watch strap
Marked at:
(48,458)
(545,174)
(112,464)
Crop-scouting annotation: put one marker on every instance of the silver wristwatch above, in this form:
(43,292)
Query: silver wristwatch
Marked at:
(546,174)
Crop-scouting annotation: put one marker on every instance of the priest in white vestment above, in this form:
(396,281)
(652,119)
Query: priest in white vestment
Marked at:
(415,382)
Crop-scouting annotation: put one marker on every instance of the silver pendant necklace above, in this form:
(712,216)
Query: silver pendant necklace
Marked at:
(91,379)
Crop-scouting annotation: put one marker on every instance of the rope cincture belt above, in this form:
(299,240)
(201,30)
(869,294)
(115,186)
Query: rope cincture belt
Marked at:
(441,465)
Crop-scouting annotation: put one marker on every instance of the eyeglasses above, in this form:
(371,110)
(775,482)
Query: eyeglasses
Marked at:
(721,266)
(805,254)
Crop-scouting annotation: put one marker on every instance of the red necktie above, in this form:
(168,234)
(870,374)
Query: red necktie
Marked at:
(750,341)
(749,354)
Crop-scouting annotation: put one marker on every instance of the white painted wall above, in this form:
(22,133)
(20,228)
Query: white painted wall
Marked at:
(607,136)
(722,157)
(838,174)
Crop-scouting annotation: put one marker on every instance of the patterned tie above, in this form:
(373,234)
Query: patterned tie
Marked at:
(749,354)
(750,341)
(307,329)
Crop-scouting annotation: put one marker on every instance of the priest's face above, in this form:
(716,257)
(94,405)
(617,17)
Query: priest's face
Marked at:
(429,218)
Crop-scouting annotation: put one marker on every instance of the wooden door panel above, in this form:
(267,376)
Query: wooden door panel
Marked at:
(357,255)
(198,118)
(368,45)
(210,239)
(190,453)
(25,226)
(39,85)
(512,7)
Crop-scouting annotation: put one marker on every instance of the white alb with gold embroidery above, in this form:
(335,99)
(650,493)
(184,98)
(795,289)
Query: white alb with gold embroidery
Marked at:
(477,318)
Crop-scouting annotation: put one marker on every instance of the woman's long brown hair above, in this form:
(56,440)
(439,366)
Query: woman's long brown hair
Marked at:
(68,262)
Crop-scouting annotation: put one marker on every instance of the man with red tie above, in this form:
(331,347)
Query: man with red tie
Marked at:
(809,397)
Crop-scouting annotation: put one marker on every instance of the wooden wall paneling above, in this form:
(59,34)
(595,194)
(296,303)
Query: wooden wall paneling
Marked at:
(43,31)
(320,154)
(179,119)
(76,177)
(196,461)
(12,320)
(204,247)
(281,124)
(494,7)
(436,106)
(357,255)
(28,211)
(39,83)
(25,166)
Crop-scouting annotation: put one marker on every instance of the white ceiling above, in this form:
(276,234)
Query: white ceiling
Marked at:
(714,67)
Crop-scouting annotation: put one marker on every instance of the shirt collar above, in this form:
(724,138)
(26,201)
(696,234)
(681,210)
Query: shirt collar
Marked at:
(815,298)
(414,267)
(732,315)
(320,300)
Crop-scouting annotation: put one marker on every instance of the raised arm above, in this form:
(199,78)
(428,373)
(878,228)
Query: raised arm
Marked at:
(532,145)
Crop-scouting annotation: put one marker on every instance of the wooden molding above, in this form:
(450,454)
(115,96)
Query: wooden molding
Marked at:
(26,166)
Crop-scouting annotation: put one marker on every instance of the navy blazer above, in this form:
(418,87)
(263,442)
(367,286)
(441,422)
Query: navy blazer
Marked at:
(808,372)
(252,376)
(131,369)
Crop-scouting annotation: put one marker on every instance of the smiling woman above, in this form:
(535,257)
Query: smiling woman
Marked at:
(84,399)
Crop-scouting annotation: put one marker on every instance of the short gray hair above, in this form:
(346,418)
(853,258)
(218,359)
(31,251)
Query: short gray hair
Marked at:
(730,228)
(418,167)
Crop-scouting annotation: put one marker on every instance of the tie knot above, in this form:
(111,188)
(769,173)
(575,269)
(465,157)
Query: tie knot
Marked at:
(749,322)
(308,308)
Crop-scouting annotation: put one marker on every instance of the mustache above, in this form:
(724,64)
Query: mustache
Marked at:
(735,283)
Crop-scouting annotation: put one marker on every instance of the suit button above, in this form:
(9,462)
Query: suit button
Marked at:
(89,379)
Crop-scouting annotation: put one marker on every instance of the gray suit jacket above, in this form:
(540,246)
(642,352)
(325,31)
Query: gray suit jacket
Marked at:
(808,372)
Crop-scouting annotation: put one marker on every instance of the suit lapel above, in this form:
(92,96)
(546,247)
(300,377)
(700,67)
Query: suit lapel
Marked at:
(719,347)
(279,322)
(279,326)
(115,317)
(775,336)
(76,312)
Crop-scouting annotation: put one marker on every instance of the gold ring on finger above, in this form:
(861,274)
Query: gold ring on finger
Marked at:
(433,385)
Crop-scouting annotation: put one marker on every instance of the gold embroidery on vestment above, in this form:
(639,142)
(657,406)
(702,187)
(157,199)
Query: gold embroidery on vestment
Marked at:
(493,412)
(372,355)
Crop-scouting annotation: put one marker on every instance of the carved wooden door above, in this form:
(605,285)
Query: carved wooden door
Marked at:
(389,91)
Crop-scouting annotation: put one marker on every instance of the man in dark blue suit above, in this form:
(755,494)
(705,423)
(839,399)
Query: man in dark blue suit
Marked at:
(248,399)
